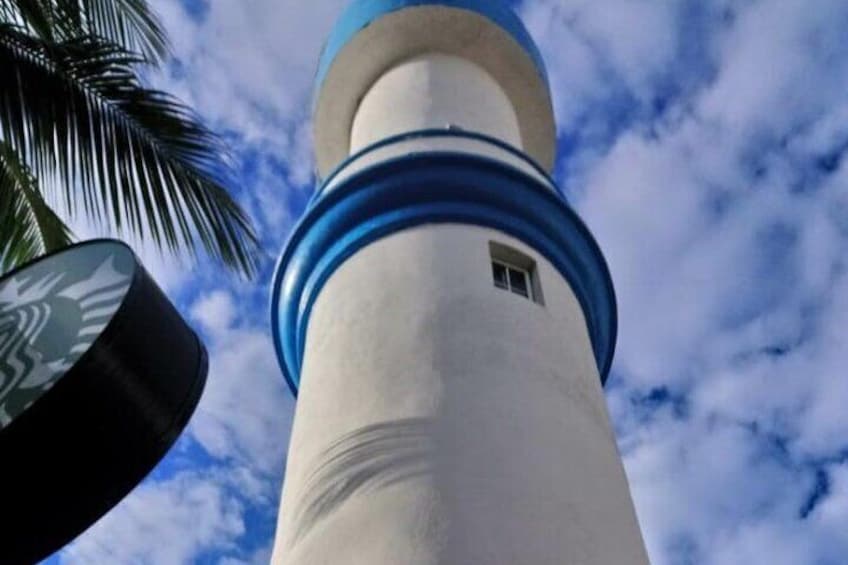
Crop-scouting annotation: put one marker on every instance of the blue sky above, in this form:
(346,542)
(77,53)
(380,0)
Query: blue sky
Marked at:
(704,144)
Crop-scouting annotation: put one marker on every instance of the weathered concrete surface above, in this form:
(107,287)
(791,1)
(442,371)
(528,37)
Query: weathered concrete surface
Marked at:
(444,421)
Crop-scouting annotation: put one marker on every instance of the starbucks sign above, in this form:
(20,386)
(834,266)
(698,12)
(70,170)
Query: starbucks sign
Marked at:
(51,314)
(99,374)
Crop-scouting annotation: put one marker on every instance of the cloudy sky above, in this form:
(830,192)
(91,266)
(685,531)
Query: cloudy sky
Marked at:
(702,141)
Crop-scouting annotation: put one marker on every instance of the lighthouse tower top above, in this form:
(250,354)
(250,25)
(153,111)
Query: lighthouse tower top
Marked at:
(373,36)
(432,112)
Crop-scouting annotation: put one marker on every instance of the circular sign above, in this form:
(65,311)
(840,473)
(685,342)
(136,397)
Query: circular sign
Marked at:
(98,376)
(50,315)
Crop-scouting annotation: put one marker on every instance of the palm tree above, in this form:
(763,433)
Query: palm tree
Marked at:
(79,128)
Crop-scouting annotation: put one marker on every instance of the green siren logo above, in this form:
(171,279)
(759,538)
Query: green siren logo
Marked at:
(51,312)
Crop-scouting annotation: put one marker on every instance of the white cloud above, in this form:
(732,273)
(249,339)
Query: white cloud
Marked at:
(636,39)
(245,412)
(249,67)
(260,557)
(722,217)
(215,311)
(770,58)
(168,522)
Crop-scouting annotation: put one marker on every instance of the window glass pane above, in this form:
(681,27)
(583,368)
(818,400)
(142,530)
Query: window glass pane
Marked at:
(499,273)
(518,282)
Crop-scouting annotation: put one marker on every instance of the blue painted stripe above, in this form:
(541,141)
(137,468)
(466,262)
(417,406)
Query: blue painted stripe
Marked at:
(428,134)
(435,188)
(361,13)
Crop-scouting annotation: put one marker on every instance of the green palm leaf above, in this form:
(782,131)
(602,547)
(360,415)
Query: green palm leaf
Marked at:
(28,226)
(129,24)
(129,156)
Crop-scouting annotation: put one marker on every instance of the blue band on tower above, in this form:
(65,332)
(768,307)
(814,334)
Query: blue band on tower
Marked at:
(429,188)
(361,13)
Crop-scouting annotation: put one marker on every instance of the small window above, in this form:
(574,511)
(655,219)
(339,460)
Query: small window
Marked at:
(514,272)
(511,278)
(499,271)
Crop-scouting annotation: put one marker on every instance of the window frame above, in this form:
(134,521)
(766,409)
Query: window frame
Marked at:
(511,260)
(509,269)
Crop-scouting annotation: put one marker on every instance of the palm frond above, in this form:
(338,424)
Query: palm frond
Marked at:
(28,226)
(135,157)
(36,16)
(130,24)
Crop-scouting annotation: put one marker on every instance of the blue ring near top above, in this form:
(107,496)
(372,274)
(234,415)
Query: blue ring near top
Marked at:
(429,188)
(430,134)
(361,13)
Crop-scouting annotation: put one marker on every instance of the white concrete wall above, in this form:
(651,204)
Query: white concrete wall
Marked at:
(444,421)
(433,91)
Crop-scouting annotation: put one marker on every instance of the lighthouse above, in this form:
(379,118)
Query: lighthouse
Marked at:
(444,317)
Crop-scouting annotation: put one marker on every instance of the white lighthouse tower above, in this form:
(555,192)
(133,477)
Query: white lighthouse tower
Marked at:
(444,317)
